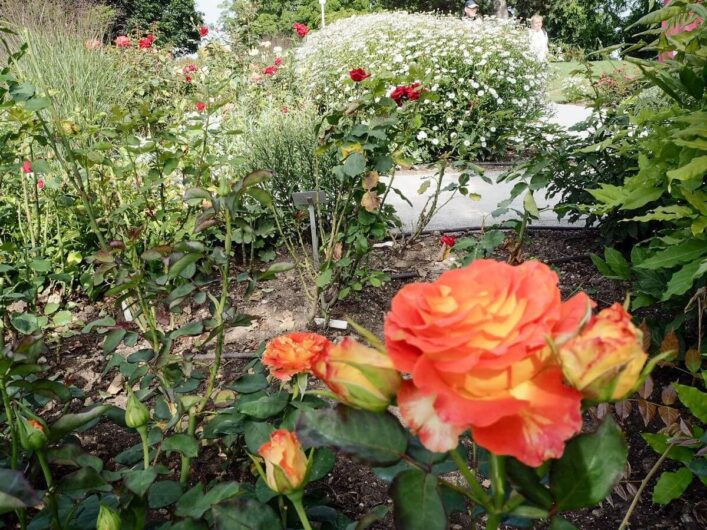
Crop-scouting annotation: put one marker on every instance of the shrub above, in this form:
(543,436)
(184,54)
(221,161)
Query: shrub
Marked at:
(487,86)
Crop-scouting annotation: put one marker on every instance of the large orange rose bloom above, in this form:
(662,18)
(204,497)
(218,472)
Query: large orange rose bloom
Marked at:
(294,353)
(476,340)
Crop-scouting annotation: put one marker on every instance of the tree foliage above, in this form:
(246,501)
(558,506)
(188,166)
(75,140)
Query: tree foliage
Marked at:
(174,22)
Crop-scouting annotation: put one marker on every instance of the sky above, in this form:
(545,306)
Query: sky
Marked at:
(211,10)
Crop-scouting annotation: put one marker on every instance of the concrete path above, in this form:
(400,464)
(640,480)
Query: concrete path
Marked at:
(464,213)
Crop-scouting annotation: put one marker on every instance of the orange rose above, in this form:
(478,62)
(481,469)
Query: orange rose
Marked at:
(294,353)
(475,341)
(606,359)
(285,462)
(359,376)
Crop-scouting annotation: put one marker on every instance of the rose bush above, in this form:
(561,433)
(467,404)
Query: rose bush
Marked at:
(491,349)
(487,84)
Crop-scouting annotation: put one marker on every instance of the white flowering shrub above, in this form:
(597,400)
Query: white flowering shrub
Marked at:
(489,86)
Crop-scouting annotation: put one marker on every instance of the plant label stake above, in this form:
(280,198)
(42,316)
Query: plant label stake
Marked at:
(309,199)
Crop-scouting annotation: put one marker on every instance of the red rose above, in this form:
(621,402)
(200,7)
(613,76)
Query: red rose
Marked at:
(301,29)
(399,95)
(27,167)
(270,70)
(414,91)
(448,241)
(188,79)
(40,184)
(203,31)
(190,68)
(358,75)
(201,106)
(146,42)
(278,61)
(285,110)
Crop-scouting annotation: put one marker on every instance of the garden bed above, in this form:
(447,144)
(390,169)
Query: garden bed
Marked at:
(353,488)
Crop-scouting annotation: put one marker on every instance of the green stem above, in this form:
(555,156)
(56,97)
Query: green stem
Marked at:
(50,487)
(10,422)
(468,475)
(493,522)
(296,499)
(186,461)
(498,479)
(145,448)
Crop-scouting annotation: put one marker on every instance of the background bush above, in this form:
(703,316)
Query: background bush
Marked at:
(487,85)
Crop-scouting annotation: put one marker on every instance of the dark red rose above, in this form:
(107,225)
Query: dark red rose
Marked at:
(358,75)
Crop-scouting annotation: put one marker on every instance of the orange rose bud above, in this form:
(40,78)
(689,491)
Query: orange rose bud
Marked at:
(294,353)
(285,462)
(606,359)
(361,377)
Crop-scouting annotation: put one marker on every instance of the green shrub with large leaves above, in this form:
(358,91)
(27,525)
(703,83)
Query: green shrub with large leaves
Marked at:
(668,191)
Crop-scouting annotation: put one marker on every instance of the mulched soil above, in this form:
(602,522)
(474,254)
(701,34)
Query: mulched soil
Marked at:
(279,306)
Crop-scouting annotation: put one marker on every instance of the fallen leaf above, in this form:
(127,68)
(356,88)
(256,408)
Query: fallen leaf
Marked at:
(646,335)
(647,411)
(669,415)
(646,388)
(623,408)
(693,360)
(668,396)
(670,344)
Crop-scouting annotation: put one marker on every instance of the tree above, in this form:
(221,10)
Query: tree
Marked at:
(174,22)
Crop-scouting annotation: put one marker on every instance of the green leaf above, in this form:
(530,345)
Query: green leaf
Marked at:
(256,434)
(671,485)
(417,504)
(265,406)
(194,503)
(138,481)
(82,481)
(182,263)
(35,104)
(322,463)
(589,468)
(260,195)
(659,444)
(618,263)
(62,318)
(324,279)
(250,383)
(528,483)
(113,338)
(530,205)
(68,423)
(682,280)
(377,438)
(355,164)
(558,523)
(40,265)
(694,170)
(686,252)
(181,443)
(163,493)
(25,323)
(44,387)
(15,491)
(693,399)
(245,514)
(189,330)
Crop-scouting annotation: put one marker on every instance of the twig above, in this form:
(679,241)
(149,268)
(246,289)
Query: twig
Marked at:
(643,485)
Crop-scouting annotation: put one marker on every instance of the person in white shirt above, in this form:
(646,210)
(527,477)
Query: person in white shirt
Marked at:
(538,38)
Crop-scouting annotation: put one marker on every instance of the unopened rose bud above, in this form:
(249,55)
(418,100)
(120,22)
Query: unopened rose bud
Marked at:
(606,359)
(136,414)
(285,462)
(360,376)
(108,519)
(33,433)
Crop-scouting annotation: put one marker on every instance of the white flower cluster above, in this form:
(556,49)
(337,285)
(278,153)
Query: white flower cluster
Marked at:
(487,80)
